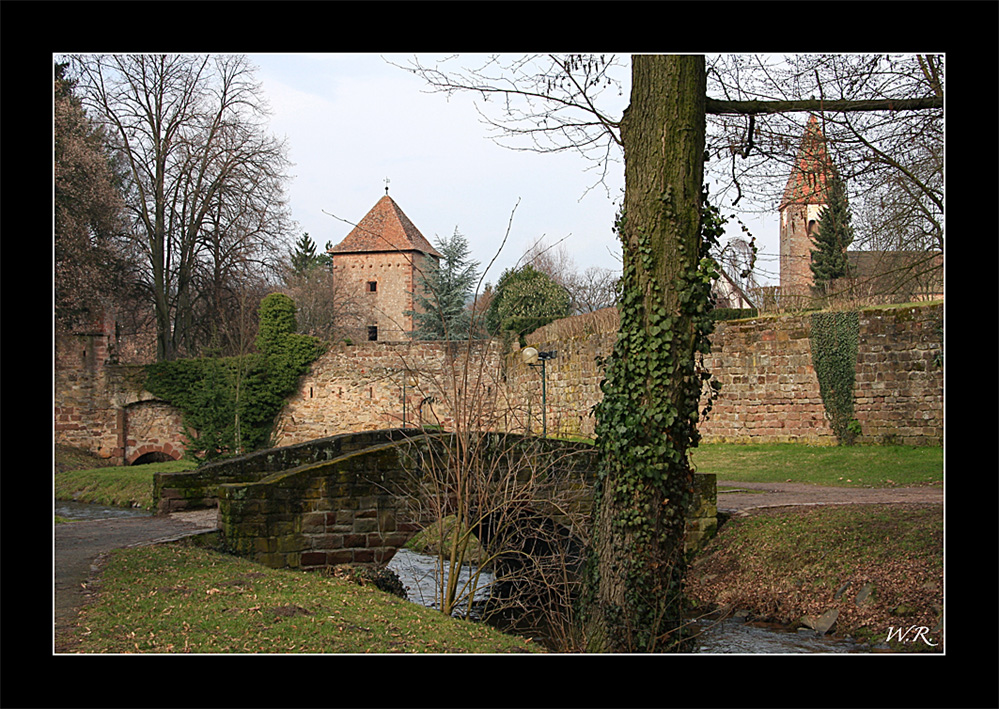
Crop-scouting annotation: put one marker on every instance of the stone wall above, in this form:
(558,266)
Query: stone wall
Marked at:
(193,489)
(151,426)
(98,407)
(375,385)
(770,392)
(899,393)
(769,389)
(348,510)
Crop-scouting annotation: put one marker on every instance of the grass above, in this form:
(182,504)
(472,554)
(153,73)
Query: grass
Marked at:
(116,486)
(180,598)
(781,564)
(794,562)
(833,466)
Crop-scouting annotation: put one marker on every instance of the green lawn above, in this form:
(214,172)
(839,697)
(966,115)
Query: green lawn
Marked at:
(836,466)
(178,598)
(115,486)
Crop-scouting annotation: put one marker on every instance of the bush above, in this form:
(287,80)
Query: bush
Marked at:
(229,403)
(525,300)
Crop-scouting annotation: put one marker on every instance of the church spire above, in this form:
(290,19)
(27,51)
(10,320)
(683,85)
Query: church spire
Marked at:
(812,170)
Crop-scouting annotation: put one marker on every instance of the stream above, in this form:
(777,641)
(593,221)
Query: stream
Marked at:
(86,510)
(728,636)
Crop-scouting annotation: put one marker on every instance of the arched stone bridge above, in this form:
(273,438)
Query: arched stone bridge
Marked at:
(357,497)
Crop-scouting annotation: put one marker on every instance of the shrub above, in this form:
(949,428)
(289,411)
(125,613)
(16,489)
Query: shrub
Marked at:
(229,403)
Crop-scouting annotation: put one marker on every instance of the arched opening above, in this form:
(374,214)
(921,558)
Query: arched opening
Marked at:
(152,457)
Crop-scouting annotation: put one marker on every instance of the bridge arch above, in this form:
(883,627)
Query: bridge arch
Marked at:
(144,456)
(351,498)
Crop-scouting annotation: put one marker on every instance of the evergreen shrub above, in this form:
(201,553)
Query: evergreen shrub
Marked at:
(229,404)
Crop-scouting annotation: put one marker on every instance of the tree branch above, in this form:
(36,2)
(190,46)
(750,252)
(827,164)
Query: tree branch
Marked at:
(720,107)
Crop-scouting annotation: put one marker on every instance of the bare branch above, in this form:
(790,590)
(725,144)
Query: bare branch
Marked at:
(719,107)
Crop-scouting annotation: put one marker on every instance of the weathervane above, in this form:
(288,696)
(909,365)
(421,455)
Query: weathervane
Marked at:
(386,185)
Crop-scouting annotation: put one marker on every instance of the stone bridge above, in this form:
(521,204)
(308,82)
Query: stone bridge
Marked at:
(358,497)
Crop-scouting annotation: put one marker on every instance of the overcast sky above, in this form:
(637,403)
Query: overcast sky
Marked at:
(354,120)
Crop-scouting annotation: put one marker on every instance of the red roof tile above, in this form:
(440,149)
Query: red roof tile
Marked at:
(385,228)
(807,183)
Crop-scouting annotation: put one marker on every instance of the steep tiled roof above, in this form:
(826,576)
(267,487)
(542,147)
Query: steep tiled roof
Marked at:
(807,183)
(384,228)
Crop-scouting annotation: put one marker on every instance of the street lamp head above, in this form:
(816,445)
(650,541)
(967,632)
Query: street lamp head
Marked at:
(529,355)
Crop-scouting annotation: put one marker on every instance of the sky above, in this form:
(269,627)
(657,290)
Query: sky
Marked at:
(352,121)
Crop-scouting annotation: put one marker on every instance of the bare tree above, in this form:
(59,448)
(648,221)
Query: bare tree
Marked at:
(882,120)
(547,103)
(204,180)
(325,309)
(590,290)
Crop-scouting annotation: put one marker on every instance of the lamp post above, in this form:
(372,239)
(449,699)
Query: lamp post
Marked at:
(410,380)
(533,358)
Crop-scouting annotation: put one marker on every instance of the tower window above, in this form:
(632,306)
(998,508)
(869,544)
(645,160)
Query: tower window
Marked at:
(372,333)
(372,286)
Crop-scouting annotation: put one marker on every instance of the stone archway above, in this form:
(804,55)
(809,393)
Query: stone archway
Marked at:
(154,432)
(153,456)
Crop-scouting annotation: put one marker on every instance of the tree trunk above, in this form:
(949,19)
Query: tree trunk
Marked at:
(647,418)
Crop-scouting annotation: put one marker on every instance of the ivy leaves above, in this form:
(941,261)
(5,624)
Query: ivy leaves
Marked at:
(229,403)
(834,342)
(648,416)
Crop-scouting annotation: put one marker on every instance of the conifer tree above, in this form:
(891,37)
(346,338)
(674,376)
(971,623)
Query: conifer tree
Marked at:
(304,257)
(443,291)
(834,235)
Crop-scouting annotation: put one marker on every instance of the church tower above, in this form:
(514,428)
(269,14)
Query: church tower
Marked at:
(378,264)
(804,197)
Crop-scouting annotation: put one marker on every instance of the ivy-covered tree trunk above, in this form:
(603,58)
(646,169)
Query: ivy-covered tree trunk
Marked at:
(647,418)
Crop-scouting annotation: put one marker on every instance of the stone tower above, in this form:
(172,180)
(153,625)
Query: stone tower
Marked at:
(804,197)
(378,265)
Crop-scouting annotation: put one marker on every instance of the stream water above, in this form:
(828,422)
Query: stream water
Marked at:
(729,636)
(86,510)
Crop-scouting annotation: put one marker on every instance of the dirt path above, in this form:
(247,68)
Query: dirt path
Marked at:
(733,500)
(79,544)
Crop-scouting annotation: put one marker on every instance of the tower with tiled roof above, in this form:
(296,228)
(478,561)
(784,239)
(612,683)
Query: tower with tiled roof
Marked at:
(378,264)
(804,197)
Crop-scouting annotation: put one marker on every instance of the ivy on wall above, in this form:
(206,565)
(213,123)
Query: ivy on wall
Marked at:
(834,343)
(229,404)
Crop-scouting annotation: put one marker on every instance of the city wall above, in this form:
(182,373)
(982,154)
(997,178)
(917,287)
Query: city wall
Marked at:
(769,389)
(769,392)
